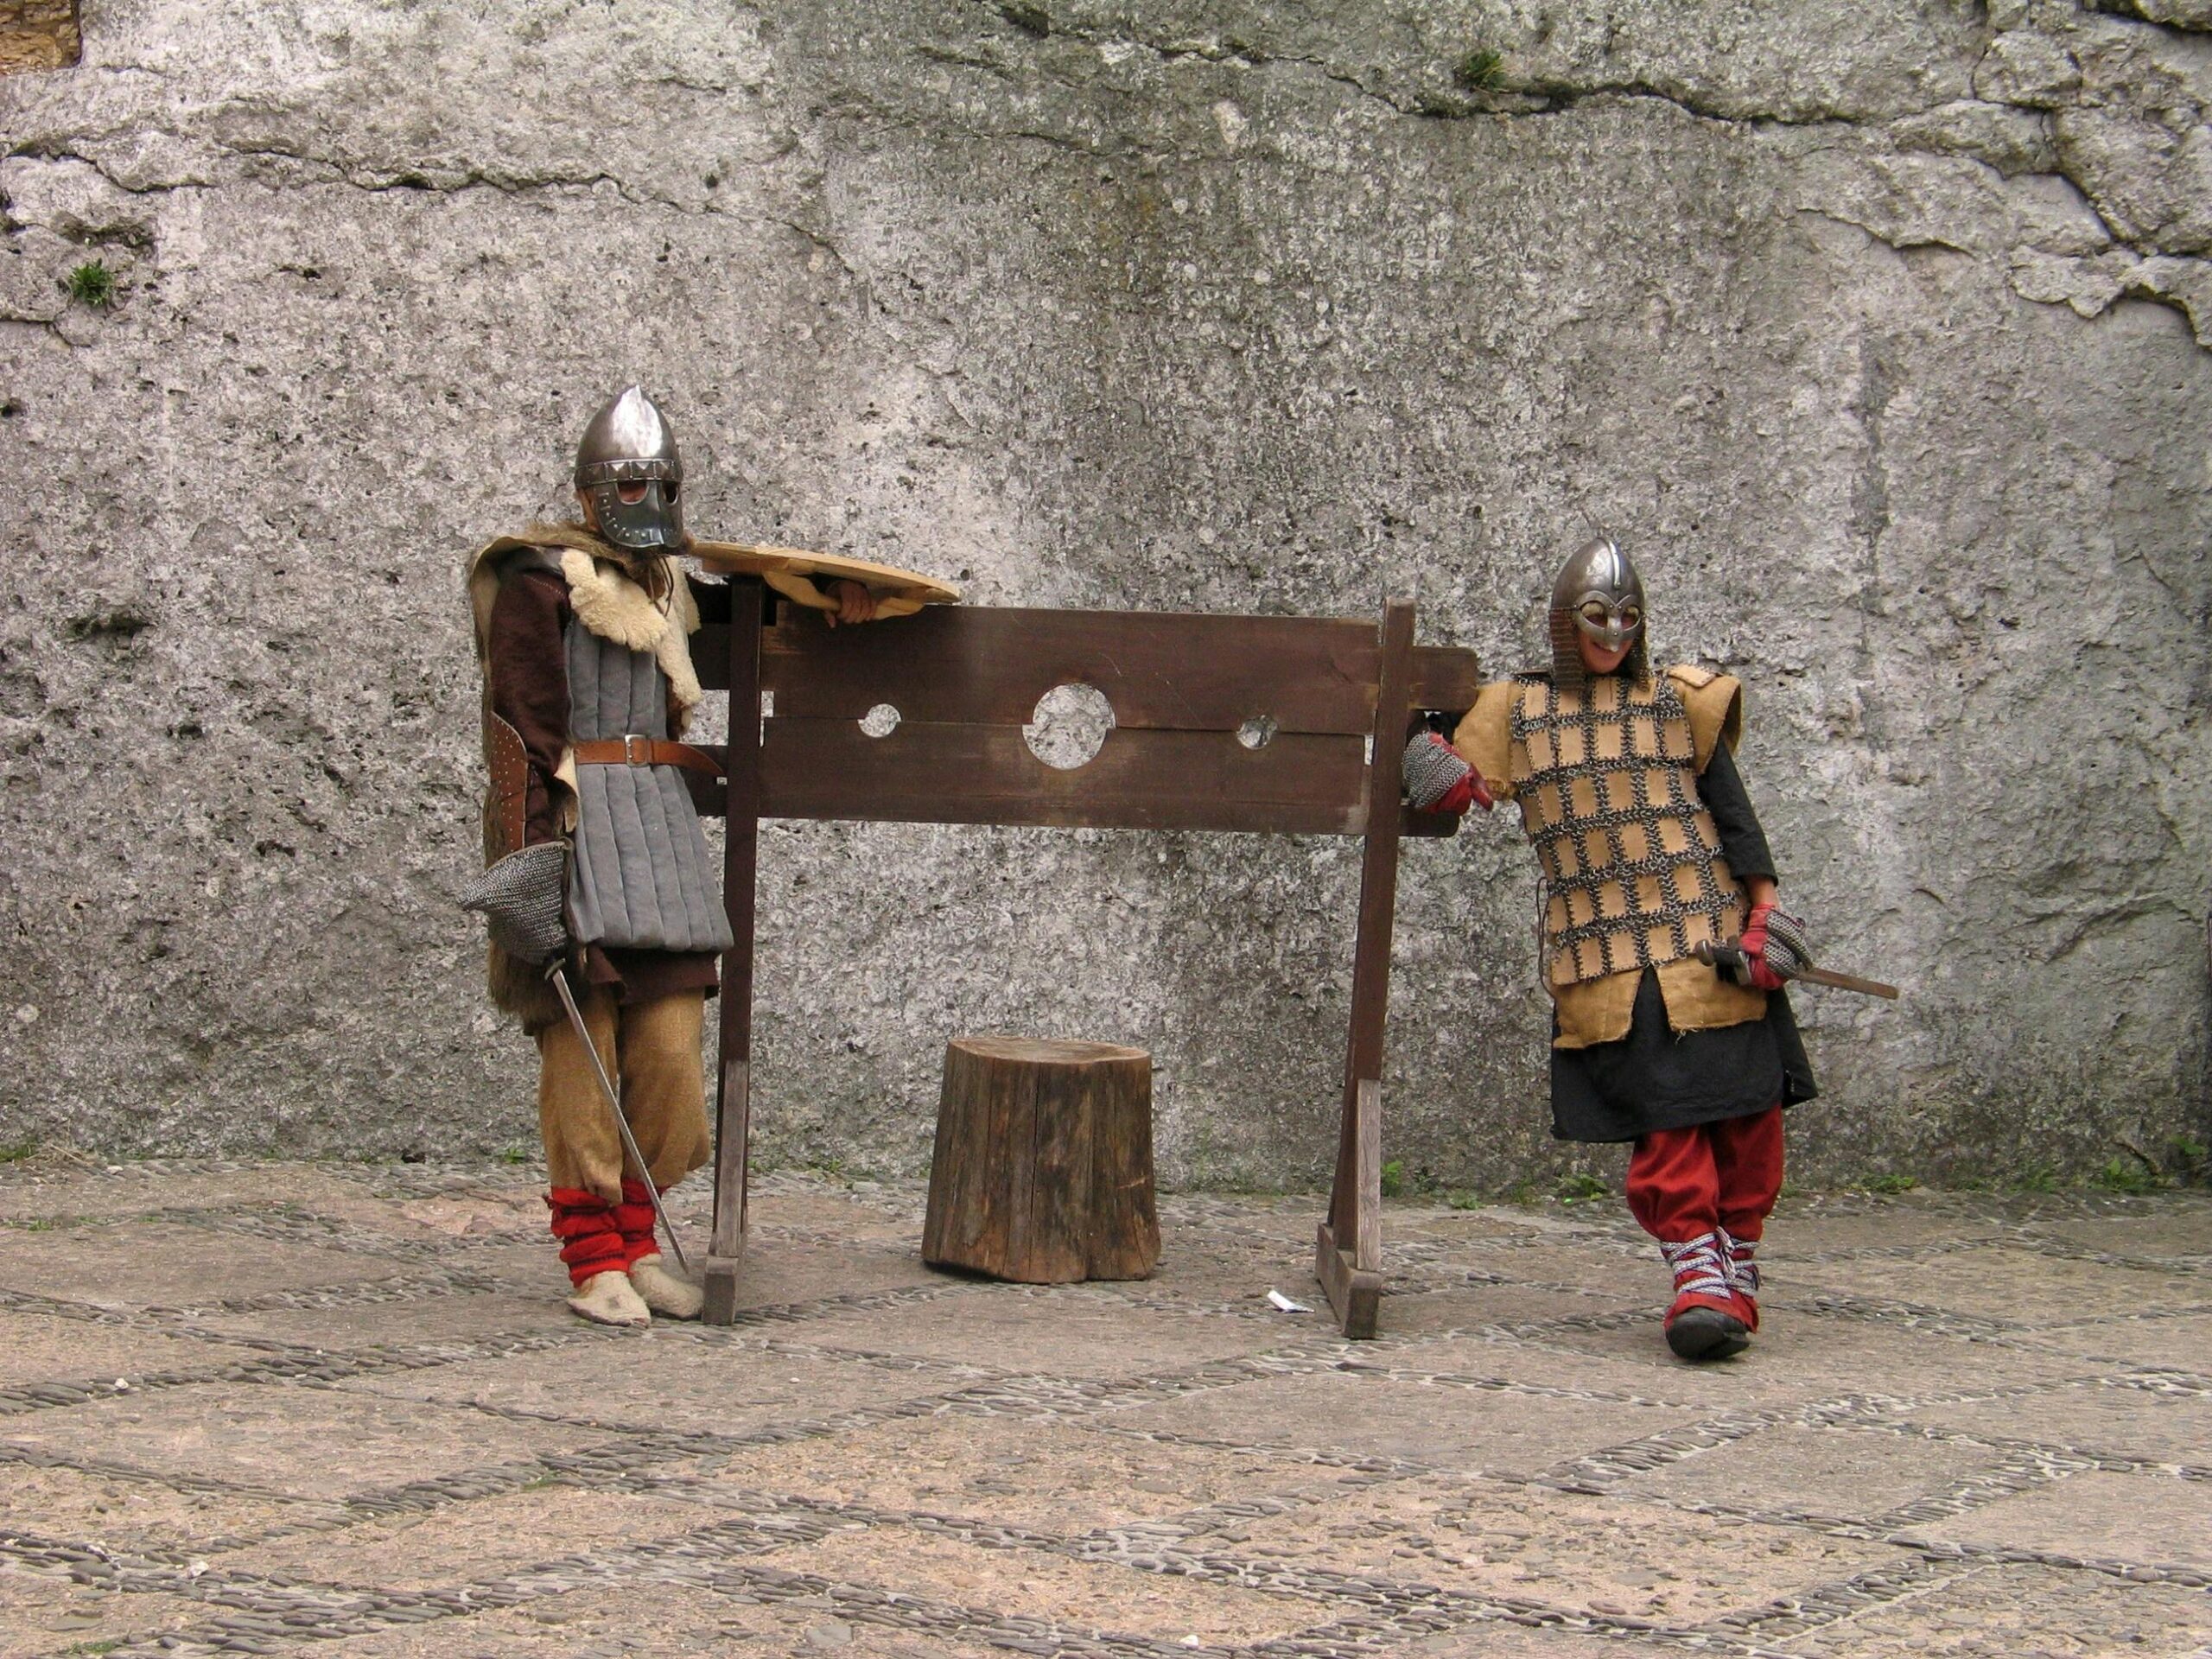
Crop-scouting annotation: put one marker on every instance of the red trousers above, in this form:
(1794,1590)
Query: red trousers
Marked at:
(1683,1184)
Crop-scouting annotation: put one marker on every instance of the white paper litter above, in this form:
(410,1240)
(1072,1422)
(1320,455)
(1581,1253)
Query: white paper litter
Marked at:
(1286,1303)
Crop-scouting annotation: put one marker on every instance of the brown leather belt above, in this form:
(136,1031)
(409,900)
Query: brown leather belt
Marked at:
(635,751)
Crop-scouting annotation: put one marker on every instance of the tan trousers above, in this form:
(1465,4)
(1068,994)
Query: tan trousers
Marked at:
(652,1050)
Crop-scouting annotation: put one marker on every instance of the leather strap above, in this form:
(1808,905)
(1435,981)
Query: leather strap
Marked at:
(635,751)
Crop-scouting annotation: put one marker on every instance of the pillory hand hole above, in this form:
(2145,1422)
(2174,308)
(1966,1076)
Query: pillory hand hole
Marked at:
(1257,732)
(1069,726)
(880,720)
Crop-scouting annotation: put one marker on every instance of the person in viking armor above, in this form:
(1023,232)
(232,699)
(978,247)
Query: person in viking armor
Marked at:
(1649,848)
(596,863)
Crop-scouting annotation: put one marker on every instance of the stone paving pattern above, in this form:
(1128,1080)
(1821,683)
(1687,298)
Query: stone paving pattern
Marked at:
(341,1410)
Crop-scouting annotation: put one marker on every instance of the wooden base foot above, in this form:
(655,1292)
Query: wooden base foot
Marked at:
(1355,1294)
(719,1283)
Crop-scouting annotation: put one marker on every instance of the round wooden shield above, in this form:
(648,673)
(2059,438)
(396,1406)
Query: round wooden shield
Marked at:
(802,576)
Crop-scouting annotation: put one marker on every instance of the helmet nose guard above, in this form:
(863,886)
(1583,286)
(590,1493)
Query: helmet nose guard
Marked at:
(630,441)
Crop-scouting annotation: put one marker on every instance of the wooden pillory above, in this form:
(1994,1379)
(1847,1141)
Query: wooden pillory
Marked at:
(1288,725)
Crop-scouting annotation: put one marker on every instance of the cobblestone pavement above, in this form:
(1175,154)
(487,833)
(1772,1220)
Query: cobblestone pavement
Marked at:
(341,1410)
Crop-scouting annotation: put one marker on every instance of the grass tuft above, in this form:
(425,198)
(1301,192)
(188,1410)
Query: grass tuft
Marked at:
(92,283)
(1479,71)
(1578,1189)
(2125,1175)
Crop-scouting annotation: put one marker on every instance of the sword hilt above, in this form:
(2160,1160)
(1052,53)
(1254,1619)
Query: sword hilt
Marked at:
(1730,956)
(1714,954)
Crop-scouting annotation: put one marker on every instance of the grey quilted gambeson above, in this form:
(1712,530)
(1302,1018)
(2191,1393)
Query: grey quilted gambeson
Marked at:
(640,878)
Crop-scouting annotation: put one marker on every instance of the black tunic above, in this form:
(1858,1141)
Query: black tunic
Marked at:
(1658,1078)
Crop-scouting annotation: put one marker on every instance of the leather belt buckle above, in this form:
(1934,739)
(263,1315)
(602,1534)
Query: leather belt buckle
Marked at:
(637,751)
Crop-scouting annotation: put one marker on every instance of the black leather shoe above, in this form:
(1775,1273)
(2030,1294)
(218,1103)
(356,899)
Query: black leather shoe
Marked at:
(1707,1333)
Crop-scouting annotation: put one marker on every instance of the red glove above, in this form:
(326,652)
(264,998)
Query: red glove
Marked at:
(1753,945)
(1438,778)
(1470,791)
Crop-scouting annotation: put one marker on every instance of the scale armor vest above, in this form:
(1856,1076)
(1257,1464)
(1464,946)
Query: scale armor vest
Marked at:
(1607,779)
(640,878)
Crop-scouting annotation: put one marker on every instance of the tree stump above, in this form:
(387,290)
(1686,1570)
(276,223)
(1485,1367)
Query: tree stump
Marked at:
(1043,1168)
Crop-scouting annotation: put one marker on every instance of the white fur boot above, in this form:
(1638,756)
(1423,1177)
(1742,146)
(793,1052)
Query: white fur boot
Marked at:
(611,1298)
(665,1290)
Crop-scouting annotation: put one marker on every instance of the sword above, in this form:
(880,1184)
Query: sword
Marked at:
(1732,957)
(560,978)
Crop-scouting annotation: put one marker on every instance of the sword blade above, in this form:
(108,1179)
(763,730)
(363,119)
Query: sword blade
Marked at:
(560,978)
(1846,983)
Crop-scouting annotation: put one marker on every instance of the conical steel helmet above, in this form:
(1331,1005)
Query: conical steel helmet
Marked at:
(630,442)
(1598,593)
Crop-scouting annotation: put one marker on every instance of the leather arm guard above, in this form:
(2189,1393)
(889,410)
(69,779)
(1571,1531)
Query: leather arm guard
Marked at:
(524,898)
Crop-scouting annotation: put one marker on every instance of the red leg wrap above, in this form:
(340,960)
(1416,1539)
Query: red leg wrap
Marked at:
(635,1216)
(591,1240)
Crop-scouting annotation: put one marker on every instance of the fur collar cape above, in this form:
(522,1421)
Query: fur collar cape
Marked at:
(608,599)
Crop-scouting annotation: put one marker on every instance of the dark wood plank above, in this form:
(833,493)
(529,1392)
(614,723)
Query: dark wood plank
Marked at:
(740,865)
(1160,670)
(1378,892)
(1367,1243)
(1444,676)
(943,774)
(708,794)
(733,1128)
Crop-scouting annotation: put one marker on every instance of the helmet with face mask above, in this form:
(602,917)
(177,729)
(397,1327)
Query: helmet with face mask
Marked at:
(1599,596)
(629,443)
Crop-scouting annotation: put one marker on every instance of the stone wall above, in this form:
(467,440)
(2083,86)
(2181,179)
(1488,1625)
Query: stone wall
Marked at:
(1876,330)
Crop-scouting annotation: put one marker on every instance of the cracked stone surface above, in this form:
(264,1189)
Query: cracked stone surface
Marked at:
(997,1469)
(1877,331)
